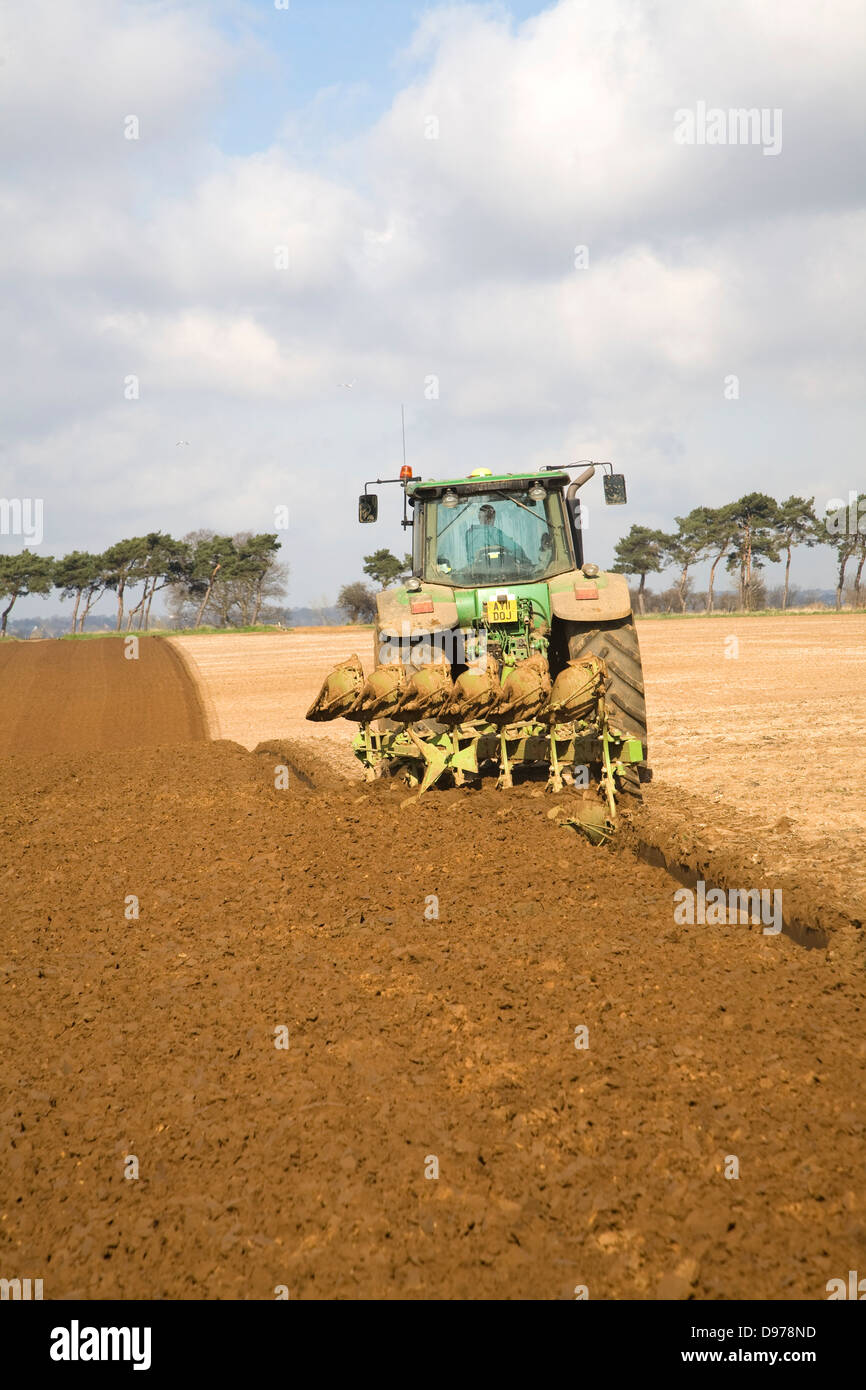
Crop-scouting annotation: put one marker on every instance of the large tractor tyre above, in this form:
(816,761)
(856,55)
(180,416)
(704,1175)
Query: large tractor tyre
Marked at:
(616,643)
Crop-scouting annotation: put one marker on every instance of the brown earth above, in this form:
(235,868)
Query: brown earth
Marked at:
(763,719)
(64,697)
(755,728)
(258,686)
(410,1036)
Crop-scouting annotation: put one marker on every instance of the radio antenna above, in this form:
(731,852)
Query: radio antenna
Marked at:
(403,424)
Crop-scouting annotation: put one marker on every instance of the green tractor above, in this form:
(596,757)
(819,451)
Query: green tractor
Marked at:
(505,647)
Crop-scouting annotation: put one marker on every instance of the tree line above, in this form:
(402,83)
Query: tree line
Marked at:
(221,580)
(746,535)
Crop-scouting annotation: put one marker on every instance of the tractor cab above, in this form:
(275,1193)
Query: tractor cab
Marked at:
(486,529)
(507,531)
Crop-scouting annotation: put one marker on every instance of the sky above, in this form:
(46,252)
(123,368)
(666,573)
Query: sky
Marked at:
(236,237)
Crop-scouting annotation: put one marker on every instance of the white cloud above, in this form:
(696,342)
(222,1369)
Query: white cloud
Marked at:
(73,73)
(410,256)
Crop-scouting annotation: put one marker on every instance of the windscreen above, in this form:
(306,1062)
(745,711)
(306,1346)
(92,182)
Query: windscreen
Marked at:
(495,537)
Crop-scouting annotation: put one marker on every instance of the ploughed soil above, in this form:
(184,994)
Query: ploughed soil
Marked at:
(427,967)
(761,720)
(58,697)
(755,727)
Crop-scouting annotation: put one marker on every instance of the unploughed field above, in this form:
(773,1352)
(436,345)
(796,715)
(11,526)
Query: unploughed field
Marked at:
(305,915)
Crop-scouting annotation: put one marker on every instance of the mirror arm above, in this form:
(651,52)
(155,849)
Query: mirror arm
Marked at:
(390,480)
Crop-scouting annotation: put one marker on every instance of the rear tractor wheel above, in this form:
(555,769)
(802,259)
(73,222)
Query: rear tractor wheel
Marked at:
(617,645)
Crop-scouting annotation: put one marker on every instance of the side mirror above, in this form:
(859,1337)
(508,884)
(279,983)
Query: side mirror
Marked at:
(614,489)
(368,507)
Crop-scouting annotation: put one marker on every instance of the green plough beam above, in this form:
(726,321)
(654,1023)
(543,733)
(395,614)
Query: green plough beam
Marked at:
(424,755)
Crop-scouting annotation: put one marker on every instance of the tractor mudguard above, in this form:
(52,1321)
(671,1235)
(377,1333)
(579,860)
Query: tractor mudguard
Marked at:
(606,597)
(433,609)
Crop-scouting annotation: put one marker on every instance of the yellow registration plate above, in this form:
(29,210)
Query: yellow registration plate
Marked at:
(501,610)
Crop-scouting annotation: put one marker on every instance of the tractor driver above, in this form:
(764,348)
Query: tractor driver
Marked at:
(488,536)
